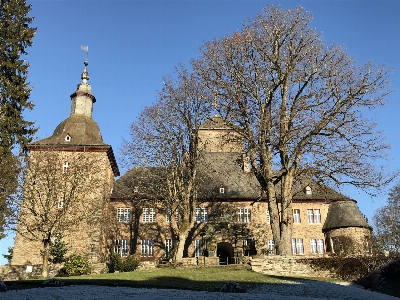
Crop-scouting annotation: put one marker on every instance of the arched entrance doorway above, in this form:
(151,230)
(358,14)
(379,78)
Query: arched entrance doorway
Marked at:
(225,253)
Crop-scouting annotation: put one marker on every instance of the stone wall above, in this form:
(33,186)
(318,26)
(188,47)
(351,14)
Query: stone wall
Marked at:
(286,266)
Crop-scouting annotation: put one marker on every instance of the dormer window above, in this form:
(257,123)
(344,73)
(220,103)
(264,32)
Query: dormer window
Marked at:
(67,138)
(308,190)
(222,190)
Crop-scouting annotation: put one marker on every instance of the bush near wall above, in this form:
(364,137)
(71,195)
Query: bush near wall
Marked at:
(129,264)
(77,265)
(349,268)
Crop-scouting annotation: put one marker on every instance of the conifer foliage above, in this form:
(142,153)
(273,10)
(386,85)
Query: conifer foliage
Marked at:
(15,36)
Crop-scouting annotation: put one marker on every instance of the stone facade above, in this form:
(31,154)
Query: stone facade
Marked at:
(232,221)
(67,187)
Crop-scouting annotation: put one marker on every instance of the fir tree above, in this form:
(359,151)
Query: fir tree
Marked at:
(15,36)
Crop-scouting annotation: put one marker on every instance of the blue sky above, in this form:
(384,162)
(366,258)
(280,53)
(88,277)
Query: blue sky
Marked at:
(134,43)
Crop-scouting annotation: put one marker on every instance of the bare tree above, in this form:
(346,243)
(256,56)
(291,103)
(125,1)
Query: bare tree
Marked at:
(387,222)
(58,197)
(165,136)
(299,106)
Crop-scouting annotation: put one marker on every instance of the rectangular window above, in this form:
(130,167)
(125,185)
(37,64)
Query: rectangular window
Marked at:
(149,215)
(317,216)
(320,246)
(123,214)
(201,214)
(60,203)
(247,215)
(168,247)
(124,248)
(296,215)
(244,215)
(313,243)
(240,215)
(268,217)
(204,214)
(197,248)
(297,246)
(147,248)
(65,166)
(121,247)
(152,217)
(271,245)
(310,216)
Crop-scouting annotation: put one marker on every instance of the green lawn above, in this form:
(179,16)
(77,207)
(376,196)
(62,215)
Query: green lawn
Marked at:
(204,278)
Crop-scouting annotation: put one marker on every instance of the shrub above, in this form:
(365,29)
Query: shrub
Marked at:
(349,268)
(77,265)
(129,264)
(115,263)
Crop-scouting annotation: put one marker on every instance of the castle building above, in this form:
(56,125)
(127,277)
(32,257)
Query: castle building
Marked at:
(67,186)
(69,193)
(231,221)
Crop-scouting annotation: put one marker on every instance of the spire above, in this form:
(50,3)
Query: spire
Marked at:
(85,74)
(83,99)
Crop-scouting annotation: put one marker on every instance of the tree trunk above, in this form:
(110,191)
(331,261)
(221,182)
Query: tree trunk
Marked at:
(181,245)
(45,261)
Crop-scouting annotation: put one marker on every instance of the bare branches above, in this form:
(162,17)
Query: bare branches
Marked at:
(298,104)
(165,137)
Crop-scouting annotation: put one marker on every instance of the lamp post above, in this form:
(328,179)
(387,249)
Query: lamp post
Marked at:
(202,234)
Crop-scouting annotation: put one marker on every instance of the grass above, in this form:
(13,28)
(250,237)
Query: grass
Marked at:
(204,278)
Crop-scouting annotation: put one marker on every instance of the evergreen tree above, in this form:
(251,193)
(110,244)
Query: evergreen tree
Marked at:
(15,36)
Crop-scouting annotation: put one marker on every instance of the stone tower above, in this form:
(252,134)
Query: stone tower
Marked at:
(67,186)
(215,135)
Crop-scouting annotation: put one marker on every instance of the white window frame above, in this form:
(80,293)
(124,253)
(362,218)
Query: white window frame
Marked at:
(65,166)
(296,216)
(313,245)
(317,216)
(123,214)
(244,215)
(147,247)
(222,190)
(201,214)
(152,215)
(320,246)
(297,246)
(271,245)
(168,246)
(268,216)
(121,247)
(310,216)
(60,203)
(148,215)
(240,215)
(247,215)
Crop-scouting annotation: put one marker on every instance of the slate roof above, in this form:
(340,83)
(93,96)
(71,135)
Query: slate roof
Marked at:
(220,170)
(82,129)
(344,214)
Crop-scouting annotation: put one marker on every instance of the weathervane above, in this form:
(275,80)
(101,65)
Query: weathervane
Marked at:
(86,48)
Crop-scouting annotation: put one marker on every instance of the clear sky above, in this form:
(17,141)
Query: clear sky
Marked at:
(134,43)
